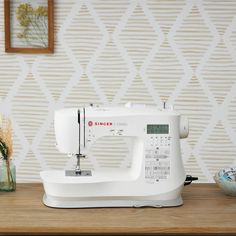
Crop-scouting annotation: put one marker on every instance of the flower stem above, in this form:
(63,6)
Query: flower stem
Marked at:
(8,172)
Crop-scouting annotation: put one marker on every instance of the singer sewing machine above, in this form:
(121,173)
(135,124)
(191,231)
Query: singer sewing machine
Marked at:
(156,176)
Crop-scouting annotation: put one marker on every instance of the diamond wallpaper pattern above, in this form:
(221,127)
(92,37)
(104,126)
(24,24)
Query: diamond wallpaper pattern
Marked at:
(112,52)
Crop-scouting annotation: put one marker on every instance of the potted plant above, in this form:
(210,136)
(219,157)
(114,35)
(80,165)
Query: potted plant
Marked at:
(7,167)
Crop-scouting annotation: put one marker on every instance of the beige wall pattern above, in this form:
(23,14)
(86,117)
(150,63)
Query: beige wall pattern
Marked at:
(112,52)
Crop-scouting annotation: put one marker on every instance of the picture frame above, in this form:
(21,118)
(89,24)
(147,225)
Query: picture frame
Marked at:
(29,28)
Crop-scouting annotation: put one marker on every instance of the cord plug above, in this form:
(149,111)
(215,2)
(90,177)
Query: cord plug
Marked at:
(189,179)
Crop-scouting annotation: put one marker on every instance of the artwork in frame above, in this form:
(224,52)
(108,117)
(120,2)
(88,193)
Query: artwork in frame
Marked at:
(29,26)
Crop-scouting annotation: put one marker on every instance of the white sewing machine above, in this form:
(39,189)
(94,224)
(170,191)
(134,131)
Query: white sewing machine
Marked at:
(156,176)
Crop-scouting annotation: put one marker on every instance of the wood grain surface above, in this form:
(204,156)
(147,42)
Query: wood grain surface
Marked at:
(206,210)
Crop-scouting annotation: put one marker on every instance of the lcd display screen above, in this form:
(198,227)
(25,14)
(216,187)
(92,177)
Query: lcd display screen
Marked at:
(157,129)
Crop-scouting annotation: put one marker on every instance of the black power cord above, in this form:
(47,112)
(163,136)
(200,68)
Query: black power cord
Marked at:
(189,179)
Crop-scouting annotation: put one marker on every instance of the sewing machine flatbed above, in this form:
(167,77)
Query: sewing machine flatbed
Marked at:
(156,174)
(76,192)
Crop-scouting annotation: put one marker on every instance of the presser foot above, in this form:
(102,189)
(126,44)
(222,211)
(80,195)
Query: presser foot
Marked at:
(78,173)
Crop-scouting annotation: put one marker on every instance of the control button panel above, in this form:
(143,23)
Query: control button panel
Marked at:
(117,132)
(157,158)
(159,140)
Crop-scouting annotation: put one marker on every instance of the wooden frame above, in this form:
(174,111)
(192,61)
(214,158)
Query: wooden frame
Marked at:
(9,48)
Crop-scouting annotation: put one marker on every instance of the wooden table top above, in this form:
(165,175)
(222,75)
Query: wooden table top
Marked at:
(206,210)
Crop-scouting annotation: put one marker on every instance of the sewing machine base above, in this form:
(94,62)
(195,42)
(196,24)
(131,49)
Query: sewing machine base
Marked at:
(60,202)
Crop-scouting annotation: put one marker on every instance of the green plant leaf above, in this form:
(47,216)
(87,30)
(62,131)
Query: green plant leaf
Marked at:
(3,150)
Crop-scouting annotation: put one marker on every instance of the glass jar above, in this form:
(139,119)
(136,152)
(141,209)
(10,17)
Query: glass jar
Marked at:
(7,176)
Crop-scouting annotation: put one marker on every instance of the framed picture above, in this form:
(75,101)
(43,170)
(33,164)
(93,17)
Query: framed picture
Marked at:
(29,26)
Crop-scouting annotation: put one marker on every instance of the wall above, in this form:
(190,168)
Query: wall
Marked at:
(111,52)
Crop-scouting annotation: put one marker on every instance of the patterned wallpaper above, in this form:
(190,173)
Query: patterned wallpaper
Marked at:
(111,52)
